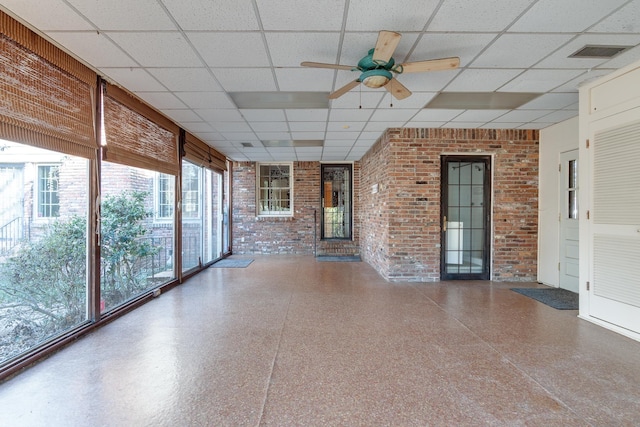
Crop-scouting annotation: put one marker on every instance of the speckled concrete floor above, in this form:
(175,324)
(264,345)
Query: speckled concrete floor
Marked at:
(290,341)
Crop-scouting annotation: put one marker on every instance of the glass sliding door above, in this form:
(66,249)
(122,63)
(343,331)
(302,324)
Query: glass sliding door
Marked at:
(43,246)
(137,232)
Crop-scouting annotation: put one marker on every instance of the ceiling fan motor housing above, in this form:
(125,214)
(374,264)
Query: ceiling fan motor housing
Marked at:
(367,63)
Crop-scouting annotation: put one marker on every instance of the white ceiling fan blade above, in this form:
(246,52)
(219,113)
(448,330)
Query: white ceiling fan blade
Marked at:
(344,89)
(332,66)
(431,65)
(397,89)
(386,45)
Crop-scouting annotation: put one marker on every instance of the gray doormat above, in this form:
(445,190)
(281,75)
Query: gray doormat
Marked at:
(338,258)
(560,299)
(232,263)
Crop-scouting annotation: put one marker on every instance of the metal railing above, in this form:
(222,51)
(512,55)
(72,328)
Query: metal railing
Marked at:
(10,235)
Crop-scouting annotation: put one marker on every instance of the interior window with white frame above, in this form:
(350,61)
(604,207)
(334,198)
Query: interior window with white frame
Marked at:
(275,189)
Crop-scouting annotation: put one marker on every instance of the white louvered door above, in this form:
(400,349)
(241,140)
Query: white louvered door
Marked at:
(615,214)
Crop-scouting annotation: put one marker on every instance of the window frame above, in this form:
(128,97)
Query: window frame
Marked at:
(199,192)
(157,191)
(259,192)
(39,189)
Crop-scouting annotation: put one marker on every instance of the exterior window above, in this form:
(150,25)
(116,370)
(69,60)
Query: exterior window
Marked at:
(164,196)
(191,191)
(275,189)
(48,195)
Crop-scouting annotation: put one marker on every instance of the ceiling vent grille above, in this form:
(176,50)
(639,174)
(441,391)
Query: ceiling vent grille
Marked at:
(598,51)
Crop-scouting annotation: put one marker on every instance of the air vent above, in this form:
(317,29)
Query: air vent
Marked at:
(247,144)
(598,51)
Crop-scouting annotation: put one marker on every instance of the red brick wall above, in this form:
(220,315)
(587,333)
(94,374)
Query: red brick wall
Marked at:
(289,235)
(400,229)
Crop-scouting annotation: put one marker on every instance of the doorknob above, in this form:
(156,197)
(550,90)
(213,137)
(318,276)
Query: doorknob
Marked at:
(444,223)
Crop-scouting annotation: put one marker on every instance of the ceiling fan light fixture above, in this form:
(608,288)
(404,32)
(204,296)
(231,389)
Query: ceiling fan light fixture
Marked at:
(375,78)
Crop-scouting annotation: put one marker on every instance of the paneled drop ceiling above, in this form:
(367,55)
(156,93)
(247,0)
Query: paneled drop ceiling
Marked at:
(187,57)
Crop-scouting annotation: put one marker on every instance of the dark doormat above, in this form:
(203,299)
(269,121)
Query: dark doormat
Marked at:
(560,299)
(232,263)
(338,258)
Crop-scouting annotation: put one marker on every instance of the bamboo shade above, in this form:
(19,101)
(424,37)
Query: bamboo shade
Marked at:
(47,98)
(201,154)
(137,135)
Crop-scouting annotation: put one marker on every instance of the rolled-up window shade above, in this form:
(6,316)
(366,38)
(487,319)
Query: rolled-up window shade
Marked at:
(47,98)
(199,153)
(137,135)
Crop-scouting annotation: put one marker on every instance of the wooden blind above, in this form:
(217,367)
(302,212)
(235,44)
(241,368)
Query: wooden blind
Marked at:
(137,135)
(201,154)
(47,98)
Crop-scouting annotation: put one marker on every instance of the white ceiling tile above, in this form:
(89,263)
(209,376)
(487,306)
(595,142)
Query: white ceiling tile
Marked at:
(186,79)
(307,126)
(534,125)
(162,100)
(432,81)
(307,115)
(481,80)
(307,135)
(57,16)
(240,136)
(416,101)
(357,45)
(195,127)
(435,115)
(625,58)
(463,125)
(356,99)
(586,77)
(231,127)
(222,49)
(424,125)
(339,143)
(551,101)
(382,126)
(488,15)
(182,116)
(565,16)
(94,49)
(205,100)
(290,49)
(500,125)
(408,15)
(368,136)
(216,115)
(465,46)
(125,14)
(134,79)
(557,116)
(479,115)
(151,49)
(340,126)
(356,115)
(263,115)
(519,116)
(392,114)
(269,127)
(336,150)
(304,79)
(273,136)
(332,157)
(342,136)
(624,20)
(323,15)
(237,15)
(245,79)
(519,50)
(540,80)
(560,58)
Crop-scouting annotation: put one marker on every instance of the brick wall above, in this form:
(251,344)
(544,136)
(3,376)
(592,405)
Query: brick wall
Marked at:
(299,234)
(400,229)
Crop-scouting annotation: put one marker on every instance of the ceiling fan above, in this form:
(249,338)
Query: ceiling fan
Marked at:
(377,67)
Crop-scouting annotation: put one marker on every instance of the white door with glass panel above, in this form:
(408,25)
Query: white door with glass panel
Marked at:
(569,224)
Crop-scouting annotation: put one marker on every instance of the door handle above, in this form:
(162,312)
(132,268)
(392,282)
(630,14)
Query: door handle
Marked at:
(444,223)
